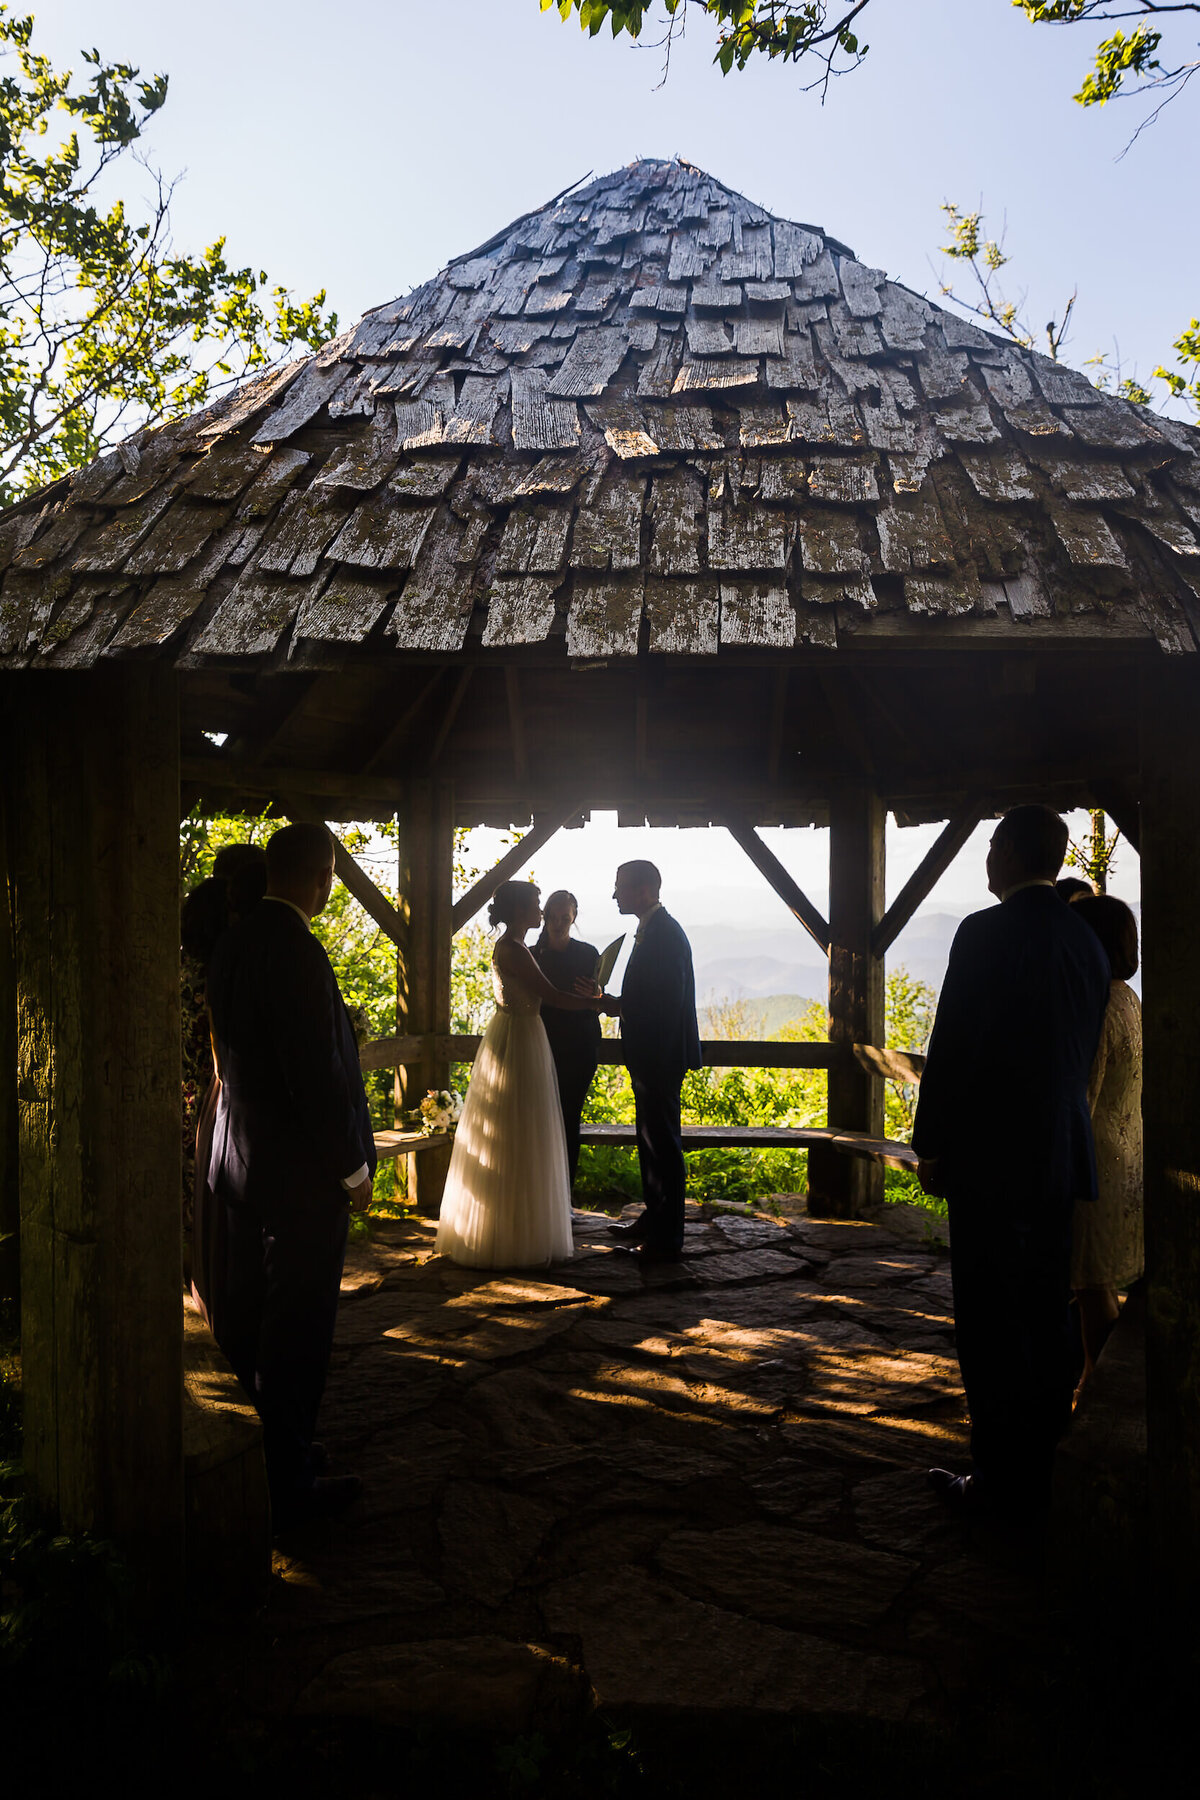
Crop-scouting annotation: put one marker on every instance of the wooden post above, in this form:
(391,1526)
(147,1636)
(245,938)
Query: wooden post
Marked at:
(1170,831)
(10,1205)
(847,1187)
(95,836)
(423,989)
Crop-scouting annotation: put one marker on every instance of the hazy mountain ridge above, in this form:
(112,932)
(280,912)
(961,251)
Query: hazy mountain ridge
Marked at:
(780,963)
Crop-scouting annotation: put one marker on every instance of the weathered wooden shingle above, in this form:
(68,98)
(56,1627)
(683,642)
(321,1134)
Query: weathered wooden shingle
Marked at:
(604,618)
(608,533)
(540,422)
(651,378)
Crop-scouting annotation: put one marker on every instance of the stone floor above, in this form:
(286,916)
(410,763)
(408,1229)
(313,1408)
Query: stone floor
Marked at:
(690,1489)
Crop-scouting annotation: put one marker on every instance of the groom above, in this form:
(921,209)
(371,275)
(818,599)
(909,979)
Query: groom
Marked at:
(661,1042)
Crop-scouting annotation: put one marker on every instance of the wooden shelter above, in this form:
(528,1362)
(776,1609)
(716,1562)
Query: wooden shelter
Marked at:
(652,502)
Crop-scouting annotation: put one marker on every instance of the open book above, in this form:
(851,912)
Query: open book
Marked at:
(608,961)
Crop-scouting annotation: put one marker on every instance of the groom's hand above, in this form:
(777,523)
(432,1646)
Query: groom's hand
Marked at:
(360,1196)
(583,986)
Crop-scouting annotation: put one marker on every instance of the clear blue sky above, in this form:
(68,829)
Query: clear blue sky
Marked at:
(359,146)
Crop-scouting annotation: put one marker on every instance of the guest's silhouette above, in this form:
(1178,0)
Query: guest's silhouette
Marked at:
(574,1035)
(1003,1131)
(292,1151)
(236,885)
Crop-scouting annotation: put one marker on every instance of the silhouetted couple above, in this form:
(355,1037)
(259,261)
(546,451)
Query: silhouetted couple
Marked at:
(507,1201)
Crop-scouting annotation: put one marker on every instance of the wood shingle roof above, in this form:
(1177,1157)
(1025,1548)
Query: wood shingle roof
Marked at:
(649,417)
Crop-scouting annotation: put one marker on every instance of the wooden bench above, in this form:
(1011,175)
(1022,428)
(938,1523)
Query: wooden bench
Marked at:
(889,1151)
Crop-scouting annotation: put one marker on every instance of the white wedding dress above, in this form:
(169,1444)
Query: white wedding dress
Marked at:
(507,1203)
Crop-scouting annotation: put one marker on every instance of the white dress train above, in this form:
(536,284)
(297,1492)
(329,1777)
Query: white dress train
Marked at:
(507,1202)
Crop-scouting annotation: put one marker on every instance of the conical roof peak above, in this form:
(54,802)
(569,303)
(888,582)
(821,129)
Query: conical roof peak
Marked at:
(648,416)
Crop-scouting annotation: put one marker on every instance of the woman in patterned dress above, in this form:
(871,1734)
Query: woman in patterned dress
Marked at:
(1106,1252)
(237,883)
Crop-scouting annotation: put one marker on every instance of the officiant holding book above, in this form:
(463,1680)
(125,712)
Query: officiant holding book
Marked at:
(574,1036)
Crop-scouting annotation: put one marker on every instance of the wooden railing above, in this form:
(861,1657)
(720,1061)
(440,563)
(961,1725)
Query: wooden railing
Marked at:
(720,1053)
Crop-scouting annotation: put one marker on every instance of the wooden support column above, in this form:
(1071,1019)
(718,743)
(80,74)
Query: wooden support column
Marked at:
(848,1187)
(1170,847)
(95,836)
(10,1205)
(423,984)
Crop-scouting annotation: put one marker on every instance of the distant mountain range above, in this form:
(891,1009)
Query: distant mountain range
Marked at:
(780,966)
(785,964)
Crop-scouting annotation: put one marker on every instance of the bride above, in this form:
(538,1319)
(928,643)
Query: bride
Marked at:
(507,1202)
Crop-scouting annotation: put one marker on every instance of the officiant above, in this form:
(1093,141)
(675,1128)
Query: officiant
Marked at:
(574,1036)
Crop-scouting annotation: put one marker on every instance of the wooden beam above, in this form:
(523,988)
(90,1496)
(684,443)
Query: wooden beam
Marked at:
(96,903)
(906,1066)
(789,891)
(427,849)
(927,874)
(846,718)
(297,689)
(369,897)
(1124,809)
(837,1189)
(397,733)
(516,724)
(212,774)
(10,1194)
(1170,790)
(539,833)
(778,717)
(451,713)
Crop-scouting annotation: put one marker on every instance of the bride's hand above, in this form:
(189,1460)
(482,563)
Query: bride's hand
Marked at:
(589,988)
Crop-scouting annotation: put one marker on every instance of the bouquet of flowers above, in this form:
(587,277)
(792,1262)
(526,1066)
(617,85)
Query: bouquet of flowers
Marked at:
(441,1109)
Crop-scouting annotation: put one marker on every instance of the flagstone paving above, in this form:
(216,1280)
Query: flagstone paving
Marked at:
(686,1489)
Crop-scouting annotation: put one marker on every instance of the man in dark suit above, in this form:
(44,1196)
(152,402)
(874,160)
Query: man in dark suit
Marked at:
(661,1041)
(1003,1131)
(292,1152)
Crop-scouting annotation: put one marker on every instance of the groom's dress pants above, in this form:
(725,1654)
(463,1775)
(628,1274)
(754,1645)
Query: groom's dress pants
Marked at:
(280,1304)
(660,1156)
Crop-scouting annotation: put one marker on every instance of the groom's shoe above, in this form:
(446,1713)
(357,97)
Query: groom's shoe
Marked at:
(657,1253)
(961,1493)
(631,1231)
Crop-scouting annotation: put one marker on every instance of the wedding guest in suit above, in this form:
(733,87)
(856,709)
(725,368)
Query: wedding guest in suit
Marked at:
(1071,888)
(661,1041)
(1003,1131)
(574,1036)
(292,1151)
(1106,1246)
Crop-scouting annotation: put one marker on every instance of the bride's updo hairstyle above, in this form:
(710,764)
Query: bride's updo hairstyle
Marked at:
(506,902)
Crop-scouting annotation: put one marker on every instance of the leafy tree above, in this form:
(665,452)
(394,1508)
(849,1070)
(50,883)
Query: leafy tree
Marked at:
(104,325)
(823,34)
(985,257)
(818,31)
(1095,854)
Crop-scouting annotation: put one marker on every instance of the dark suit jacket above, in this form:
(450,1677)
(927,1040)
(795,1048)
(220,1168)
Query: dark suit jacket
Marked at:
(1003,1101)
(659,1033)
(292,1118)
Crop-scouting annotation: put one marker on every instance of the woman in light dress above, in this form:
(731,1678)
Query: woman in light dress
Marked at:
(1106,1250)
(507,1202)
